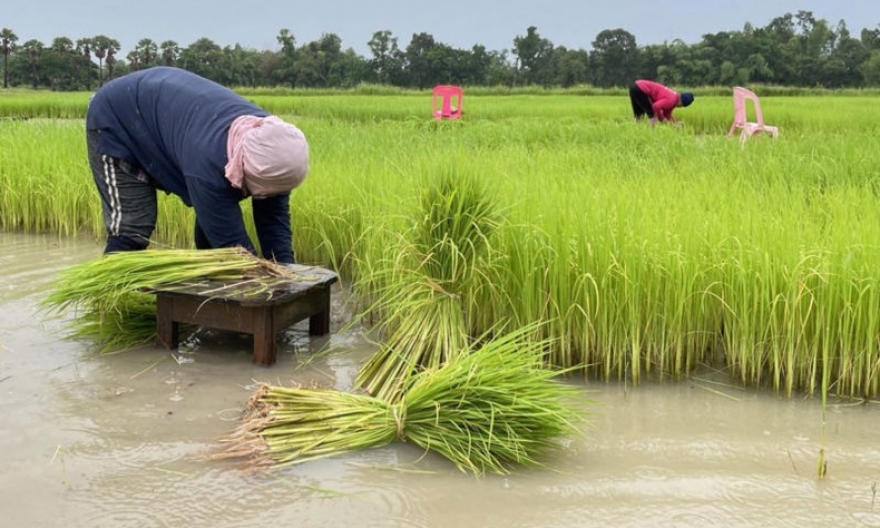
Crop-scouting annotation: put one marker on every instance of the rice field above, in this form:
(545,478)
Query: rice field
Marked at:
(641,252)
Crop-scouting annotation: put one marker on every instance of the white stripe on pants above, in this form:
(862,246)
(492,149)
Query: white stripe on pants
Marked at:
(113,193)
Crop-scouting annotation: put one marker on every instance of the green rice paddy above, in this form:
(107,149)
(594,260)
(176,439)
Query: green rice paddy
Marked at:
(641,252)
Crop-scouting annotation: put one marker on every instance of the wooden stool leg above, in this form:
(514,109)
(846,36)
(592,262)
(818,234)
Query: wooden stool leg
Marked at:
(319,323)
(264,337)
(166,327)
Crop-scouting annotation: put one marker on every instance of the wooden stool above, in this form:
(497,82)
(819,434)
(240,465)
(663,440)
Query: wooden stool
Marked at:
(224,307)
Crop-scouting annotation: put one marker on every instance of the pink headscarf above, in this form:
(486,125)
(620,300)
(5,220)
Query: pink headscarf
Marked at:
(267,156)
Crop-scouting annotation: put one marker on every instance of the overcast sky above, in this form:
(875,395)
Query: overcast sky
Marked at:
(458,23)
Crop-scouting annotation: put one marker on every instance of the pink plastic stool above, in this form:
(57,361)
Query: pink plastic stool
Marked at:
(450,100)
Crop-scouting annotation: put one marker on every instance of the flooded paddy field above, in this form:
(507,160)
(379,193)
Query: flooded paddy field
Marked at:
(121,440)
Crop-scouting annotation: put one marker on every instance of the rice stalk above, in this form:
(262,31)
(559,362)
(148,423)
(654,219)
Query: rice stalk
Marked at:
(134,324)
(425,330)
(109,300)
(485,410)
(425,284)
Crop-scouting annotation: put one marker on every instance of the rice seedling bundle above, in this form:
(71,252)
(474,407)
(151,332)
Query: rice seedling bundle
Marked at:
(425,285)
(485,410)
(110,300)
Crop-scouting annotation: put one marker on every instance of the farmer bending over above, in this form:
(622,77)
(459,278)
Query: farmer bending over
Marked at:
(656,101)
(171,130)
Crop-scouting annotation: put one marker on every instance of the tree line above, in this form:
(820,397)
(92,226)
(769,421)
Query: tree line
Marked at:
(796,50)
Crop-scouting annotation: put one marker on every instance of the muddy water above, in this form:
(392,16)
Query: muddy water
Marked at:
(119,441)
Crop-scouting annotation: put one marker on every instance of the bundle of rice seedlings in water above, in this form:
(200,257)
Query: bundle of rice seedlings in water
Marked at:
(425,330)
(425,285)
(131,324)
(486,410)
(108,298)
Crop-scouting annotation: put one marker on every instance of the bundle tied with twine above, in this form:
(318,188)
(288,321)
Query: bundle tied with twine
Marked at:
(485,411)
(108,298)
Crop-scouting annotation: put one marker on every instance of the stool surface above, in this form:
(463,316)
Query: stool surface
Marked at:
(261,291)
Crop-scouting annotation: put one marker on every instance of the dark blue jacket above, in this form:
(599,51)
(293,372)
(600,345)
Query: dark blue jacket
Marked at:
(174,125)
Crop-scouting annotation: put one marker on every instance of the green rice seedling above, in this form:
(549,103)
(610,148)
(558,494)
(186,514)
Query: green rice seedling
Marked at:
(33,104)
(429,330)
(425,288)
(486,410)
(329,232)
(644,251)
(132,324)
(109,297)
(43,191)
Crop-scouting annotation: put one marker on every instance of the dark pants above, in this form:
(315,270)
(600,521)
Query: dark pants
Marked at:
(641,103)
(128,199)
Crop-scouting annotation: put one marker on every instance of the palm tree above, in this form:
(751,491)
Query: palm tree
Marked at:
(7,45)
(147,52)
(170,51)
(133,60)
(62,46)
(84,47)
(33,48)
(60,73)
(105,47)
(111,61)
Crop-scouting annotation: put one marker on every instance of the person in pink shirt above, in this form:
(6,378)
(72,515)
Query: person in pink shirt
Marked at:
(656,101)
